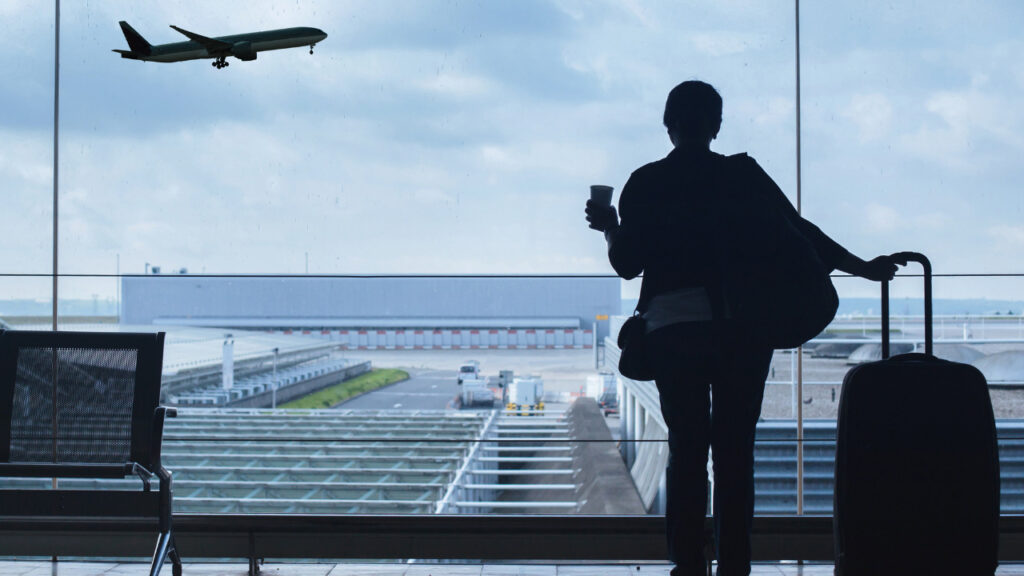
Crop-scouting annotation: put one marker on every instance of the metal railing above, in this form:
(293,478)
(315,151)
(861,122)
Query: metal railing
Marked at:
(775,454)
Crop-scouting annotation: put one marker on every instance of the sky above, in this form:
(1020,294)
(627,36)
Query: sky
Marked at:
(461,137)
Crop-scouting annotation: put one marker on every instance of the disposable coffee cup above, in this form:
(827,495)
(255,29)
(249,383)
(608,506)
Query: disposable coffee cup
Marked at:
(601,194)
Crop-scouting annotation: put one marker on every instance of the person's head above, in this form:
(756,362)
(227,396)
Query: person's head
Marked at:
(693,112)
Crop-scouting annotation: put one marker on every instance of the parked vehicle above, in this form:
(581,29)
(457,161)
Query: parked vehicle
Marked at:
(599,384)
(505,378)
(475,392)
(609,403)
(469,369)
(526,395)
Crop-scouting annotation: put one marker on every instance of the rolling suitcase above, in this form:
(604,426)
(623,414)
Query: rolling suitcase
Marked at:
(917,465)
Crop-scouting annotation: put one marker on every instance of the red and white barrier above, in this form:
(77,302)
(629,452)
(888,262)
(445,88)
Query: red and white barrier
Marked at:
(455,339)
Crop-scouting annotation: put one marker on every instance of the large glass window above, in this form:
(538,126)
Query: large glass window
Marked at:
(419,141)
(910,131)
(436,138)
(910,126)
(26,161)
(429,139)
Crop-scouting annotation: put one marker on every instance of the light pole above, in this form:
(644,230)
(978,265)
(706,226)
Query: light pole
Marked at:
(273,392)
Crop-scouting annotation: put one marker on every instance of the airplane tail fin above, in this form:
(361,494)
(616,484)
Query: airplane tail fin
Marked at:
(135,40)
(127,54)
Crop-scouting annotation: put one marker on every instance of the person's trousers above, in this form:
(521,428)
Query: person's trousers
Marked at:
(711,381)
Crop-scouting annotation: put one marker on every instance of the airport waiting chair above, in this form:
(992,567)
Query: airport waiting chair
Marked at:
(84,405)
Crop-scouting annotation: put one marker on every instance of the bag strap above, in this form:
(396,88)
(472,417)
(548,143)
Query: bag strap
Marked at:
(717,287)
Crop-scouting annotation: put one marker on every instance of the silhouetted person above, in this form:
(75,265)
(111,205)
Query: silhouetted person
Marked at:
(668,231)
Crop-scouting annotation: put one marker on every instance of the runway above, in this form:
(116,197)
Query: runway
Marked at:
(424,390)
(432,383)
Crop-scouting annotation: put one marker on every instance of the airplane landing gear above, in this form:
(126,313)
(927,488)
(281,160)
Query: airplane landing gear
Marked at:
(219,62)
(311,46)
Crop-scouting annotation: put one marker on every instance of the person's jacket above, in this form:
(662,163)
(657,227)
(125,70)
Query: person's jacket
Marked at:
(678,211)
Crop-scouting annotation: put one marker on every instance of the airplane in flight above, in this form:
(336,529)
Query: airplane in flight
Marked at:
(241,46)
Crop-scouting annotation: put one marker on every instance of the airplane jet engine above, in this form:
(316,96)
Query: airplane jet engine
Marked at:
(243,50)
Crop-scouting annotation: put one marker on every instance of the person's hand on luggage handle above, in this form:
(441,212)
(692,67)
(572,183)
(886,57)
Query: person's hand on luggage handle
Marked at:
(602,218)
(881,269)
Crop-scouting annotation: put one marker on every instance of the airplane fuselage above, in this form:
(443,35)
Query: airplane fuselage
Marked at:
(257,42)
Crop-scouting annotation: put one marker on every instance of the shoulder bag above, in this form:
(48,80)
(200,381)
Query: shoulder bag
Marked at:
(633,361)
(772,277)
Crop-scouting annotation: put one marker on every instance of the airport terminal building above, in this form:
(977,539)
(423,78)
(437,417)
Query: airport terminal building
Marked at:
(386,312)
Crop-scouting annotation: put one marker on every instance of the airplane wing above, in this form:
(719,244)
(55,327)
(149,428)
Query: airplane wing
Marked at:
(212,46)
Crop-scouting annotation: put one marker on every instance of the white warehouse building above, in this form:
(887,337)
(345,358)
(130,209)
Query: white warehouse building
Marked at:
(393,312)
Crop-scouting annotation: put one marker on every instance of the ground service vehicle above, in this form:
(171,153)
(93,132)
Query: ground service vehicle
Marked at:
(599,384)
(505,378)
(469,369)
(475,392)
(601,387)
(526,395)
(609,403)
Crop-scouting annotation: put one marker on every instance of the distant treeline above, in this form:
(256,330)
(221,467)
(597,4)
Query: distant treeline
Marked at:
(856,306)
(912,307)
(79,307)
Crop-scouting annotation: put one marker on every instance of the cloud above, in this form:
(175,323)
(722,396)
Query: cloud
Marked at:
(885,219)
(433,196)
(969,129)
(26,201)
(459,136)
(443,25)
(726,43)
(26,161)
(1008,236)
(458,86)
(880,218)
(640,12)
(871,113)
(775,111)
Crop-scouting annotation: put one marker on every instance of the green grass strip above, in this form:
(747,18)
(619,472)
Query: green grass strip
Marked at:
(341,391)
(860,331)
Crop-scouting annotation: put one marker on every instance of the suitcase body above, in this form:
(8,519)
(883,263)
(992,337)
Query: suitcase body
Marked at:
(917,465)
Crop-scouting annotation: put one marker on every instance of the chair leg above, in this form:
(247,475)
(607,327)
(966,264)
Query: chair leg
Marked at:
(254,565)
(172,552)
(709,555)
(162,545)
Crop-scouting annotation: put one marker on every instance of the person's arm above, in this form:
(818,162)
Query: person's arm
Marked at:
(624,237)
(625,242)
(879,269)
(831,252)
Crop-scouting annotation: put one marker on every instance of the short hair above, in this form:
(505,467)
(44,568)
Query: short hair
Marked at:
(693,109)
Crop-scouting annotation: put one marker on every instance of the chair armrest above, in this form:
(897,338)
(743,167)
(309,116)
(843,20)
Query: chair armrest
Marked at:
(158,433)
(64,470)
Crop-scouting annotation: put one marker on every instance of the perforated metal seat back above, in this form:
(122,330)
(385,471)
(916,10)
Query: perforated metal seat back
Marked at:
(77,397)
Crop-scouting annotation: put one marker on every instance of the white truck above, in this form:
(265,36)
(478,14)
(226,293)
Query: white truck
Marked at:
(469,370)
(475,392)
(526,395)
(601,387)
(599,384)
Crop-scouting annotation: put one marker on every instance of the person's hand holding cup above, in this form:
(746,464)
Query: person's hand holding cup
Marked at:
(600,213)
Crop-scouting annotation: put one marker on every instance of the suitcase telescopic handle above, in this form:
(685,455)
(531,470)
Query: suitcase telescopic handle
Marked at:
(902,258)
